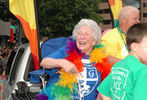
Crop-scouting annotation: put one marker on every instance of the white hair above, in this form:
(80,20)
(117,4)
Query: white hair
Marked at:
(92,25)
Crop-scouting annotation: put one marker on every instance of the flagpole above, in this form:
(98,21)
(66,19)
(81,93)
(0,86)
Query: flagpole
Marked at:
(38,35)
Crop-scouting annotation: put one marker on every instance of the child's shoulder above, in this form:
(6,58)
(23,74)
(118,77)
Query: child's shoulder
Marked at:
(131,63)
(127,62)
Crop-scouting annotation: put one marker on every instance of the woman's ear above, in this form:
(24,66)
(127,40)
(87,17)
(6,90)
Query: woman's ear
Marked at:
(134,46)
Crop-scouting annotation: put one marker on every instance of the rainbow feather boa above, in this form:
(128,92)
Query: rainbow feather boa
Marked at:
(64,88)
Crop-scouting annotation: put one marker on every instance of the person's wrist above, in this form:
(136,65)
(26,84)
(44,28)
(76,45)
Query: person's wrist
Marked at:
(59,63)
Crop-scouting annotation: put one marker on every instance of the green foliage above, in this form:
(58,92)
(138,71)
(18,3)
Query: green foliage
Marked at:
(58,17)
(5,14)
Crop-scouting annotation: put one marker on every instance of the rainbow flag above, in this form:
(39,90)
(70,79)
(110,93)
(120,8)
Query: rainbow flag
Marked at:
(115,6)
(24,10)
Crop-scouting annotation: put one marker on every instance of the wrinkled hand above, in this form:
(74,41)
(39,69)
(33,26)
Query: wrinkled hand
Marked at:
(68,66)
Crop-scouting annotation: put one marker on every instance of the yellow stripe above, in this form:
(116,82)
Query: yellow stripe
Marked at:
(116,8)
(25,9)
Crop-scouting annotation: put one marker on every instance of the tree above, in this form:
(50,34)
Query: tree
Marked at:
(5,14)
(58,17)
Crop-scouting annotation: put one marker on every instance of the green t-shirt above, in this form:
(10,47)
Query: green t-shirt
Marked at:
(127,80)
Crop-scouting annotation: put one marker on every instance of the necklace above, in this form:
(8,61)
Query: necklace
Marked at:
(121,32)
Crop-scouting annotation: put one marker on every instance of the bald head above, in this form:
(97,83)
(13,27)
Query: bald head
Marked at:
(126,12)
(128,16)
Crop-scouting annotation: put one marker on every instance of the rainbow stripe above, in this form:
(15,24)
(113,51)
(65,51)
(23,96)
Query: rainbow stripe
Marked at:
(115,6)
(24,10)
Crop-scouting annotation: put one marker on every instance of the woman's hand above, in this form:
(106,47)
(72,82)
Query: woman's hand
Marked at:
(68,66)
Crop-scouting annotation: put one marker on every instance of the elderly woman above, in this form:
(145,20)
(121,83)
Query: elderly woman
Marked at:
(79,75)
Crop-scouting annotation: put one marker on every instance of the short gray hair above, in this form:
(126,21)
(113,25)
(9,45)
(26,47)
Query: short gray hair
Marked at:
(91,24)
(126,11)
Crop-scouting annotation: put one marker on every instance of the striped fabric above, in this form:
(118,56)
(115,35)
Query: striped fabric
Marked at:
(115,6)
(24,10)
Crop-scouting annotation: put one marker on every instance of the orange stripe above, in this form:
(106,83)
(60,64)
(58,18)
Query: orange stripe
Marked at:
(111,2)
(31,35)
(34,48)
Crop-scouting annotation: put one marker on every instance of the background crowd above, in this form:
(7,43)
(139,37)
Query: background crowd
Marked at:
(4,56)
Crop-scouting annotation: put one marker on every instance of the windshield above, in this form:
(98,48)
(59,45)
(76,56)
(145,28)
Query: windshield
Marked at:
(9,63)
(15,66)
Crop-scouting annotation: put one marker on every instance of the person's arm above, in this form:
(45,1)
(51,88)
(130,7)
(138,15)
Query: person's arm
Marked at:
(103,97)
(144,63)
(113,60)
(104,89)
(56,59)
(50,63)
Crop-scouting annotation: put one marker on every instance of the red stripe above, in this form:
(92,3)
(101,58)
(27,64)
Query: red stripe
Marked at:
(11,34)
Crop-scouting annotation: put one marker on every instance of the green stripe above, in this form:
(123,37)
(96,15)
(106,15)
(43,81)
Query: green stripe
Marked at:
(120,31)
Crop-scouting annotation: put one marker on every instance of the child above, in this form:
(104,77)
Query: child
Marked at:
(128,78)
